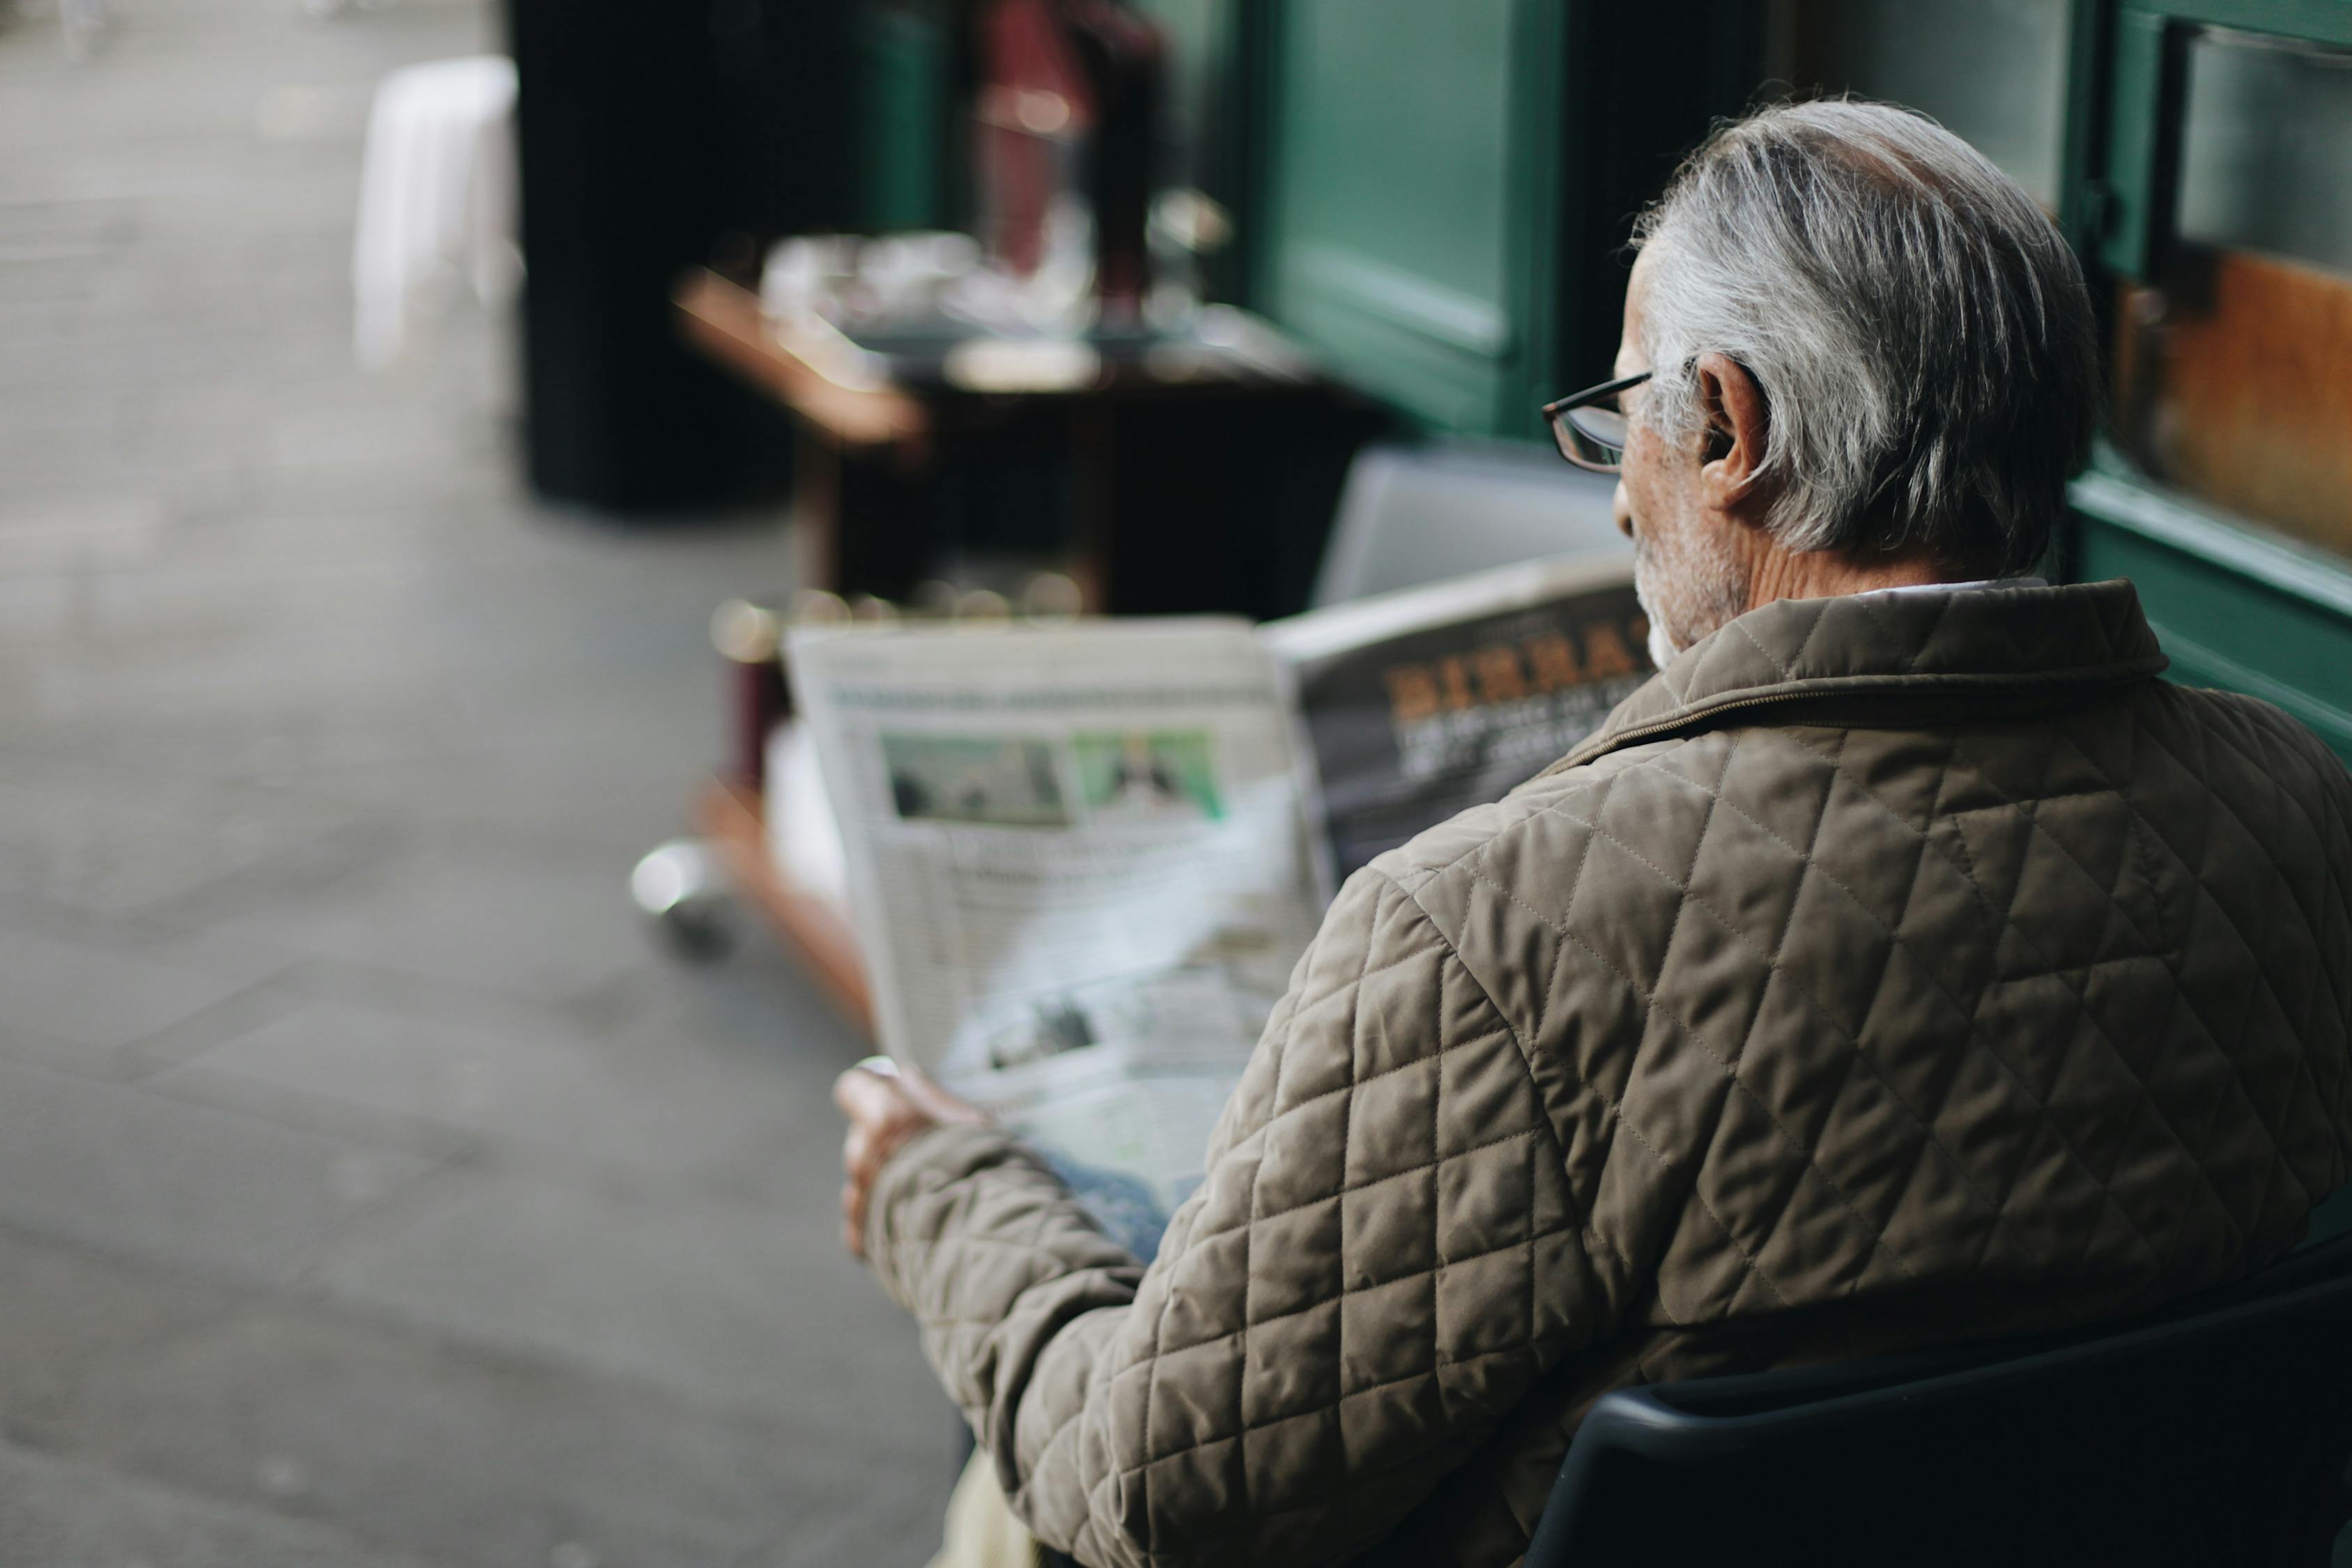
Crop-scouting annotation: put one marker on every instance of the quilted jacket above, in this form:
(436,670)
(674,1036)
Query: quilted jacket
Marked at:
(1890,969)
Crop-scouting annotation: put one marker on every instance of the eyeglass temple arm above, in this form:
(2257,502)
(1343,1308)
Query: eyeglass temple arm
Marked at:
(1592,394)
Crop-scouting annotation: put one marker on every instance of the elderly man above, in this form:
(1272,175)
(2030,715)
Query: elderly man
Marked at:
(1905,962)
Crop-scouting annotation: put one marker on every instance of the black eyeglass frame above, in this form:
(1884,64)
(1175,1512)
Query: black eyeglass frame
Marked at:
(1567,431)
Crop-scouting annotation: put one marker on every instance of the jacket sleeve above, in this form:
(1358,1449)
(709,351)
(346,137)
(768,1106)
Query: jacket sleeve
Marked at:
(1382,1258)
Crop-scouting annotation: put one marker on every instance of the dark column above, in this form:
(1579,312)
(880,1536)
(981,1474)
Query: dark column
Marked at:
(648,133)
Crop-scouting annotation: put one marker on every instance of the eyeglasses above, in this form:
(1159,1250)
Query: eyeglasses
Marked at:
(1589,425)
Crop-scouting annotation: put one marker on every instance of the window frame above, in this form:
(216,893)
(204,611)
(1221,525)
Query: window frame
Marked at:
(2237,603)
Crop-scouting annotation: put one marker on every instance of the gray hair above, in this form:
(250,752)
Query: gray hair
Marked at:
(1920,330)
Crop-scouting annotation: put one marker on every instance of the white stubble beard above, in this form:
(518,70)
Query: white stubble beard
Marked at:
(1688,593)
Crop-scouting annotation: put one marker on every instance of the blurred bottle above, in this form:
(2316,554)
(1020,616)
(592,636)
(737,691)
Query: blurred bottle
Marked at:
(1066,141)
(1033,112)
(1125,62)
(750,637)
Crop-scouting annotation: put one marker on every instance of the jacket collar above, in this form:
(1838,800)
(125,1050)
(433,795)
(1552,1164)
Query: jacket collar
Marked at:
(1962,641)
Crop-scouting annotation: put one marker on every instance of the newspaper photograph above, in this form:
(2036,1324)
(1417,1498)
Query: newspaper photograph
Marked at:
(1083,866)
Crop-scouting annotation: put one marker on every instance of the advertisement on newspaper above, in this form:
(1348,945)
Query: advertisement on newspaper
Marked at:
(1423,703)
(1083,866)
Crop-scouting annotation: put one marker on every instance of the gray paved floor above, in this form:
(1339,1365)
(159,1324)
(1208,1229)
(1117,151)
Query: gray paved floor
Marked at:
(370,1192)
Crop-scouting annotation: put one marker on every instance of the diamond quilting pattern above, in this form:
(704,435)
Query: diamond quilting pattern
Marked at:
(1749,1034)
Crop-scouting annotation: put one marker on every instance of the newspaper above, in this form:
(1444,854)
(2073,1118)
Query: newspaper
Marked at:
(1422,703)
(1083,860)
(1082,866)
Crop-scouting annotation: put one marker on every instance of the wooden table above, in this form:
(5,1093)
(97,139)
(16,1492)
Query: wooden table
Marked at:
(1200,476)
(726,322)
(1176,475)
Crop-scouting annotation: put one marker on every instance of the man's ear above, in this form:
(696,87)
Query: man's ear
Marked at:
(1737,422)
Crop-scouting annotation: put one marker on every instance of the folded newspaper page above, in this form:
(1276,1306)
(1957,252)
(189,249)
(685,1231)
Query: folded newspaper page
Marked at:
(1081,864)
(1422,703)
(1084,859)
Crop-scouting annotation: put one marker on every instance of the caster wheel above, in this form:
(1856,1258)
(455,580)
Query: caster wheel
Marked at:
(682,896)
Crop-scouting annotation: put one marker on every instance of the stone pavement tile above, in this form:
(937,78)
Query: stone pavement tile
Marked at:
(754,1022)
(41,453)
(111,842)
(186,600)
(231,1018)
(20,1044)
(329,1116)
(97,997)
(743,1305)
(49,407)
(366,749)
(59,1514)
(114,1166)
(417,491)
(855,1529)
(474,1456)
(194,948)
(635,719)
(362,983)
(36,607)
(719,1074)
(670,1111)
(359,434)
(248,668)
(247,515)
(528,925)
(756,1007)
(49,529)
(618,794)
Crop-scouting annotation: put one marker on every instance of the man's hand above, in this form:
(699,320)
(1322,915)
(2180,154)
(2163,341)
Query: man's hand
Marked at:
(886,1106)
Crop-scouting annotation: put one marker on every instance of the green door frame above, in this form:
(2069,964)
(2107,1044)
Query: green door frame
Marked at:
(1603,99)
(1448,362)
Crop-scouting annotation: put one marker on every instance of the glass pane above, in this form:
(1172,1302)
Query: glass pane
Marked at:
(2233,364)
(2266,157)
(1994,71)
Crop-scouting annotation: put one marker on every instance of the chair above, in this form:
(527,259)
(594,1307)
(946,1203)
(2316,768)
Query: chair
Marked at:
(1410,515)
(2216,1433)
(437,199)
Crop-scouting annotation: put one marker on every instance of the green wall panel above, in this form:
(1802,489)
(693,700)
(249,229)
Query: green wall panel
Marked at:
(2267,624)
(1193,26)
(903,59)
(1395,232)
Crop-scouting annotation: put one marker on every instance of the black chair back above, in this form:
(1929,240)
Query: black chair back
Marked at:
(2215,1434)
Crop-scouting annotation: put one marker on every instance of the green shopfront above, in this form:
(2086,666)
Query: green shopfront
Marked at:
(1435,196)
